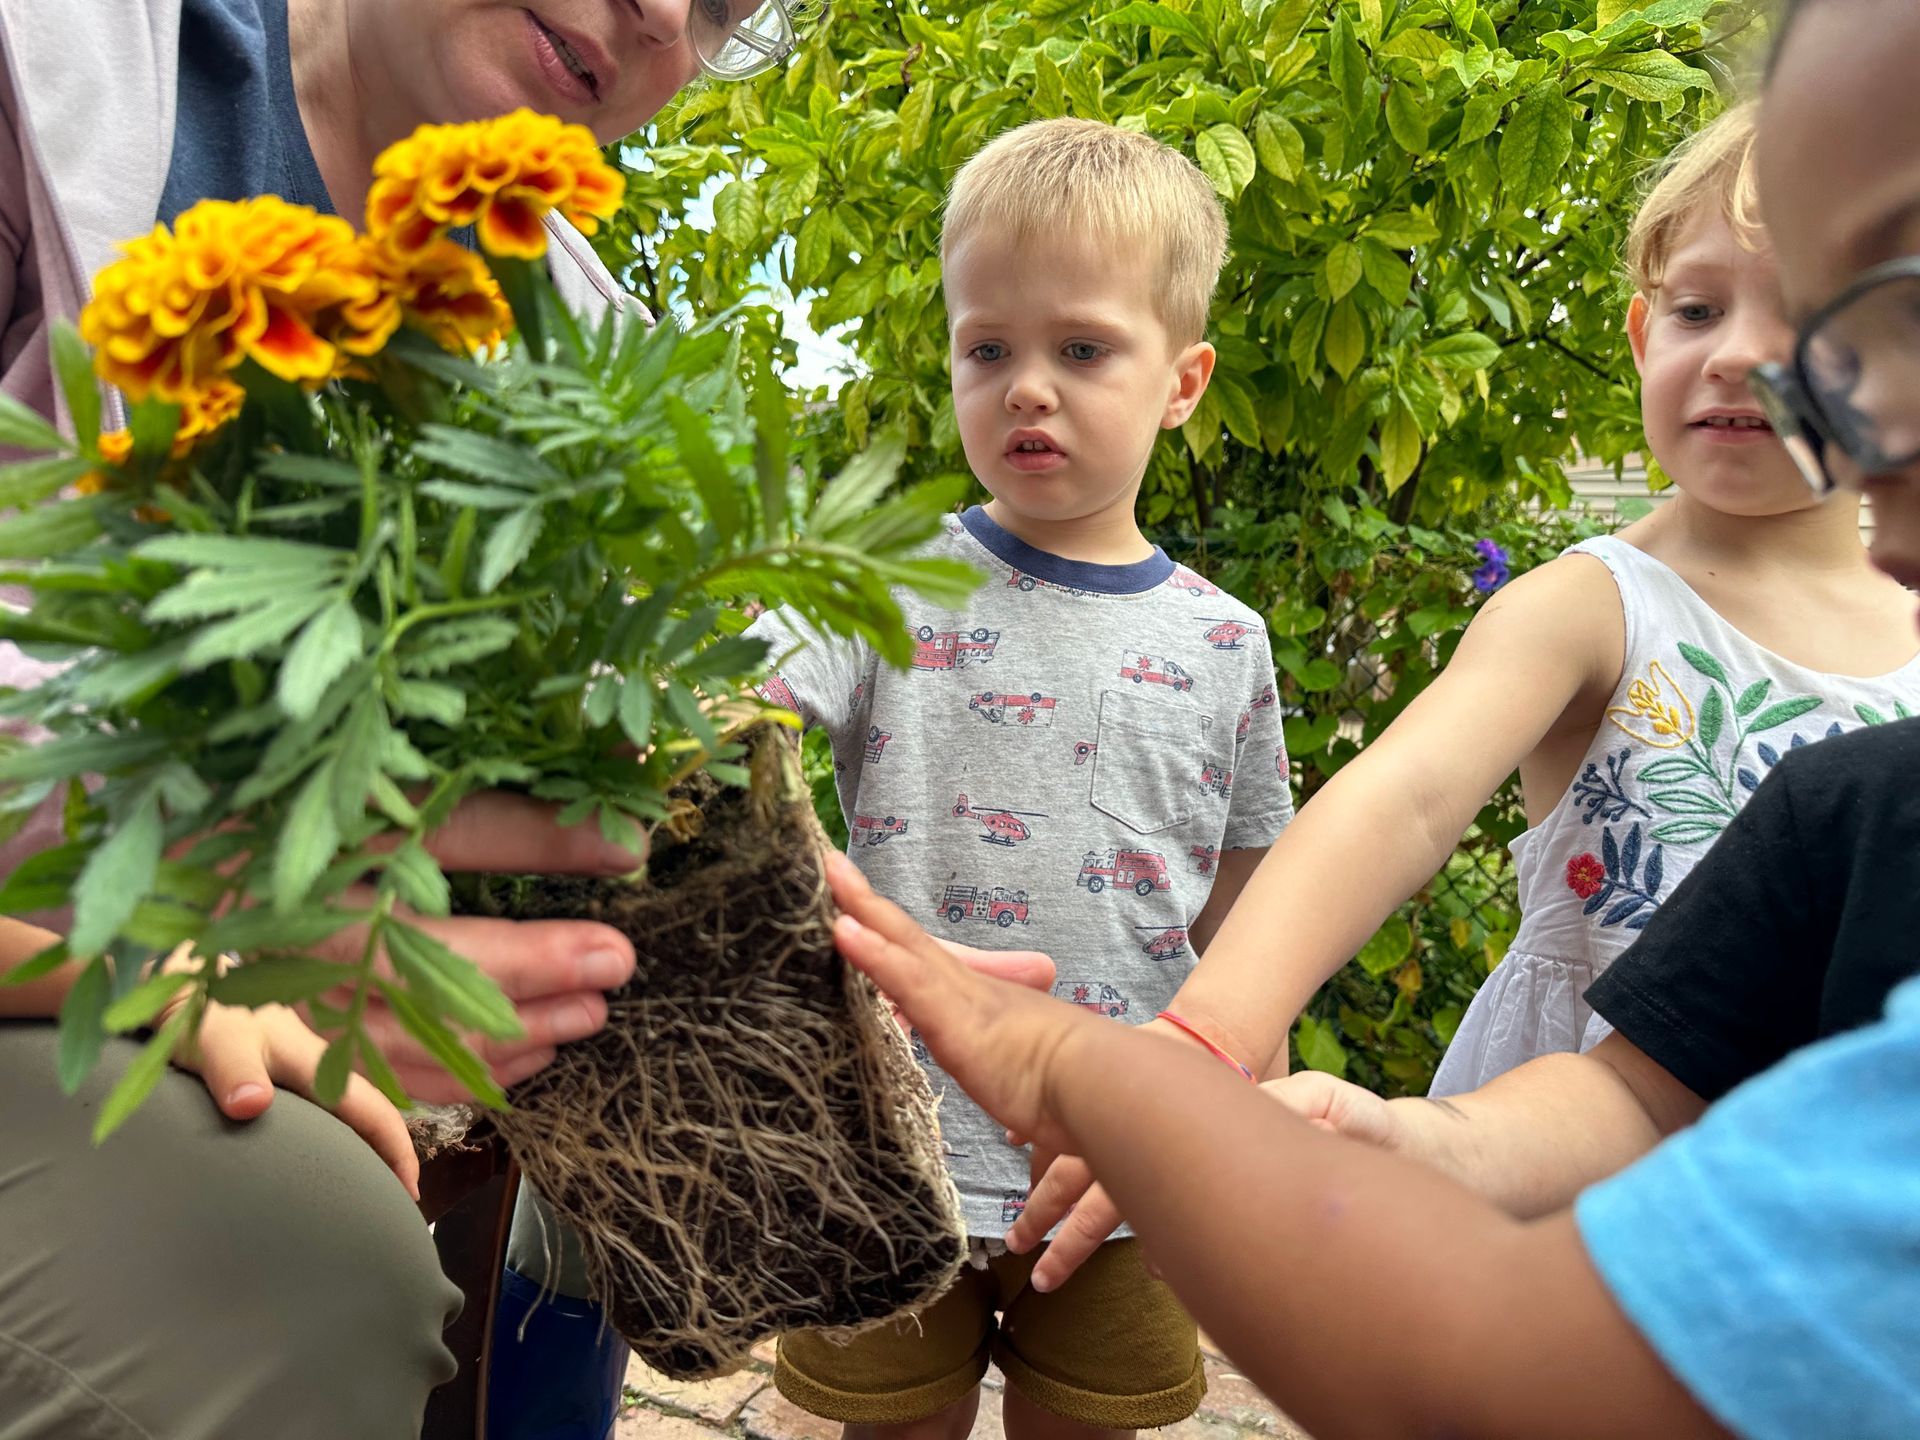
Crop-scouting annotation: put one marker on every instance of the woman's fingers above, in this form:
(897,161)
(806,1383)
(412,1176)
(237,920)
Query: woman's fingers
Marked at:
(514,835)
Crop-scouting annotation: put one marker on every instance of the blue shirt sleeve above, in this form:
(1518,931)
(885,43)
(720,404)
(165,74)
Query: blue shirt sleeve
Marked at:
(1771,1254)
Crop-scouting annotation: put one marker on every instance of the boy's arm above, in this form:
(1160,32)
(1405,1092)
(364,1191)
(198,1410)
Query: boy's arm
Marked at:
(1386,823)
(1529,1141)
(36,999)
(1295,1249)
(1230,877)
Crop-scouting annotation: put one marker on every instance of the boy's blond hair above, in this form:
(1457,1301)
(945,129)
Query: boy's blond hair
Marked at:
(1065,177)
(1716,166)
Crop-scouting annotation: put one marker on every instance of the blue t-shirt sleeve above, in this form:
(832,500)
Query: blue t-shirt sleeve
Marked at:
(1771,1254)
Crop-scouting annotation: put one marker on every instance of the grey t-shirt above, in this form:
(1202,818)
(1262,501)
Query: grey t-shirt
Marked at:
(1059,769)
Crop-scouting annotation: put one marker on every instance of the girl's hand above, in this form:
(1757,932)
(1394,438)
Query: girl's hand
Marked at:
(1000,1041)
(243,1054)
(1329,1103)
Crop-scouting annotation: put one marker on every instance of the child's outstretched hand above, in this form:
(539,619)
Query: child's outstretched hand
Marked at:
(1327,1102)
(242,1054)
(999,1040)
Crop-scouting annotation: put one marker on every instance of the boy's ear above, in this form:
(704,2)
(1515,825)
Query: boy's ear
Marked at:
(1191,372)
(1637,314)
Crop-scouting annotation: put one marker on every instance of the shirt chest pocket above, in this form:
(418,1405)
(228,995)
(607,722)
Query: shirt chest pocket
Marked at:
(1146,771)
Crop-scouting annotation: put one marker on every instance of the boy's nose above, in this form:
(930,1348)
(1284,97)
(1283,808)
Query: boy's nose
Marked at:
(1029,394)
(1746,341)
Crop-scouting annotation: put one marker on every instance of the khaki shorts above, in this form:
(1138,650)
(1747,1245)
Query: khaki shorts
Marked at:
(1111,1347)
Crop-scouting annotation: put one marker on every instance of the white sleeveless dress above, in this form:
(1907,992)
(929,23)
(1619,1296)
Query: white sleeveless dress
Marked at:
(1700,715)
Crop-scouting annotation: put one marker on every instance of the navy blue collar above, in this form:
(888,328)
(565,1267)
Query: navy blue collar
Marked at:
(1071,574)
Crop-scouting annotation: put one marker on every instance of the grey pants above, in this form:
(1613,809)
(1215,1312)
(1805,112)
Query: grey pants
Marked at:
(194,1279)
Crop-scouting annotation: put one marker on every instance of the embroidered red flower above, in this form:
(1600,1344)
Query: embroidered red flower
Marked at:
(1585,875)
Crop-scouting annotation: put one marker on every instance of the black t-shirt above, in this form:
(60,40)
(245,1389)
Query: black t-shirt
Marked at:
(238,132)
(1795,926)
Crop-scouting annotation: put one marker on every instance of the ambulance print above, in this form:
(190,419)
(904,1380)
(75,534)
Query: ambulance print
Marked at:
(1204,858)
(1025,710)
(1150,670)
(952,649)
(1097,996)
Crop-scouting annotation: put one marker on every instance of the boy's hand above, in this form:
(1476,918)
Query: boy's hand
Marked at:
(555,972)
(999,1041)
(243,1054)
(1066,1195)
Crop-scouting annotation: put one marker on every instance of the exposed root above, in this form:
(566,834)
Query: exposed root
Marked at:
(748,1147)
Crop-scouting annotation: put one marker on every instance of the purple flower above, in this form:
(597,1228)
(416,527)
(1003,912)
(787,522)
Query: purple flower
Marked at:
(1492,575)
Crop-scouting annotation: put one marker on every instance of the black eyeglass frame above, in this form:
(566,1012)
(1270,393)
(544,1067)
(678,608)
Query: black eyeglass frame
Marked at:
(1794,406)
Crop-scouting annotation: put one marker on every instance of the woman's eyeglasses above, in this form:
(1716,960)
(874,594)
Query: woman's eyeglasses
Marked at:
(1853,384)
(738,39)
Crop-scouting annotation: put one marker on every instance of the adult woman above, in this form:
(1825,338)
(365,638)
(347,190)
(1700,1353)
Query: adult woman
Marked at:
(191,1279)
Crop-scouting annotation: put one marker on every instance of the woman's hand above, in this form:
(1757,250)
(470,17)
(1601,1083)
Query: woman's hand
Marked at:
(243,1054)
(1000,1041)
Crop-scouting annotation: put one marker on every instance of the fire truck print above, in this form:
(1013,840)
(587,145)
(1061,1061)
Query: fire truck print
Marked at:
(1034,709)
(1013,1205)
(1096,996)
(876,742)
(775,691)
(1085,751)
(1216,780)
(952,649)
(1205,857)
(1003,827)
(1030,583)
(871,830)
(1227,634)
(1147,669)
(1167,941)
(1002,906)
(1141,871)
(1184,579)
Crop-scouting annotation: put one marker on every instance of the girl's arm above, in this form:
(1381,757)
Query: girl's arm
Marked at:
(1296,1250)
(1551,642)
(37,999)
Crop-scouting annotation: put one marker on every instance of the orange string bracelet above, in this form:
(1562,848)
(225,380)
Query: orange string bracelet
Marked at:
(1216,1051)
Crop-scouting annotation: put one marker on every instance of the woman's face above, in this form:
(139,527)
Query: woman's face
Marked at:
(1840,188)
(607,64)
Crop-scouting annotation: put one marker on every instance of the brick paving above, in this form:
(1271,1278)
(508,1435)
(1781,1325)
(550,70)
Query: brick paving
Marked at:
(745,1406)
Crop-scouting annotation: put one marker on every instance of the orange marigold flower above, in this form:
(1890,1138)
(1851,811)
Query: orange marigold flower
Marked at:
(501,176)
(232,281)
(448,292)
(200,416)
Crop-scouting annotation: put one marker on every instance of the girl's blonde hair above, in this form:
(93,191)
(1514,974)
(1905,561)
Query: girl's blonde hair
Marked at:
(1715,166)
(1055,178)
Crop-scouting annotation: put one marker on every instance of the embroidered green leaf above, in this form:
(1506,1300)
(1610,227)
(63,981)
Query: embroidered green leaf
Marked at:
(1902,711)
(1704,663)
(1869,716)
(1751,698)
(1713,715)
(1686,832)
(1662,772)
(1780,714)
(1690,802)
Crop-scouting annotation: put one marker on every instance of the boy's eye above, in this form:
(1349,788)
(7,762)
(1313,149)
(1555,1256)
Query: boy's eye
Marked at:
(1696,312)
(988,351)
(1083,351)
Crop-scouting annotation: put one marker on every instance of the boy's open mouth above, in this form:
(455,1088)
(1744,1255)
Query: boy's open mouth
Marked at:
(1033,450)
(1731,422)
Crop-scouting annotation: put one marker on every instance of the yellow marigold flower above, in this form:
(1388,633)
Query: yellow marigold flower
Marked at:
(447,291)
(257,280)
(200,416)
(1657,711)
(500,176)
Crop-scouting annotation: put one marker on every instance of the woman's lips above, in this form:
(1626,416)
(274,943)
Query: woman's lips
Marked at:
(564,83)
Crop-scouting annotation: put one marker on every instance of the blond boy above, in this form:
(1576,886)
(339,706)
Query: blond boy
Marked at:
(1086,759)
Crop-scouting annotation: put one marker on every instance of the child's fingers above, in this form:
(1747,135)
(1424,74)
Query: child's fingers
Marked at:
(229,1056)
(886,944)
(1091,1224)
(293,1058)
(1049,1202)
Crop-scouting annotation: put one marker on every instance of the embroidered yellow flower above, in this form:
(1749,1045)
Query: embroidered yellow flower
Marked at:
(262,280)
(501,176)
(447,291)
(1660,713)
